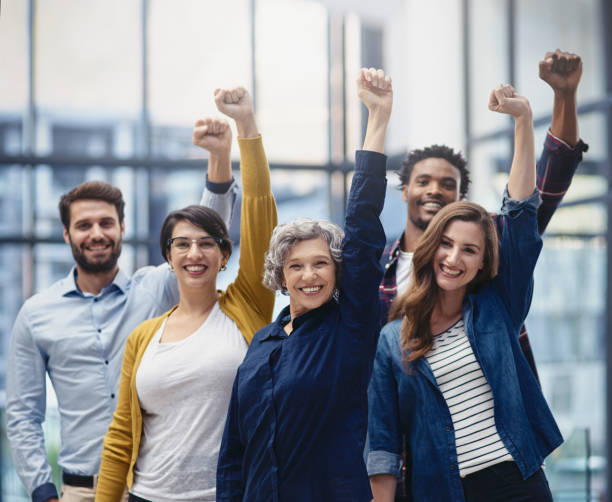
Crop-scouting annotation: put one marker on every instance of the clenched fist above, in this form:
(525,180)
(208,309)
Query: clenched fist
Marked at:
(504,99)
(375,90)
(213,135)
(561,70)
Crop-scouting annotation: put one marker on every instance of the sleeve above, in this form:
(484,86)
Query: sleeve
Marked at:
(258,218)
(118,442)
(221,197)
(364,241)
(520,246)
(384,429)
(25,410)
(229,467)
(555,170)
(160,283)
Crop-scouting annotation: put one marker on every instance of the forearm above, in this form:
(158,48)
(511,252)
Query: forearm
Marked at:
(564,123)
(247,126)
(521,182)
(220,167)
(376,130)
(383,487)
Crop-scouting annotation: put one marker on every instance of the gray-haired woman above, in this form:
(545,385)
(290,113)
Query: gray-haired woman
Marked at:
(297,419)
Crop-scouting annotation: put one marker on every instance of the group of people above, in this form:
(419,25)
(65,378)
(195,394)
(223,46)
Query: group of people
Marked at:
(169,389)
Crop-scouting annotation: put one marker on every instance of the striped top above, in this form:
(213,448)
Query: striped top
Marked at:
(469,399)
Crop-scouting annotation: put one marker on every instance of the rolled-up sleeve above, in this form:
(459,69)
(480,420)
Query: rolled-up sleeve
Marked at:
(384,428)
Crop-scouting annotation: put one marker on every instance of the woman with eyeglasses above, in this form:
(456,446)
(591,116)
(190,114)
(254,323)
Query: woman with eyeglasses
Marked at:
(178,369)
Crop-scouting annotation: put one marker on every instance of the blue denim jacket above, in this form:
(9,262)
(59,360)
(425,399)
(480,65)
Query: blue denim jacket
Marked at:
(297,419)
(411,403)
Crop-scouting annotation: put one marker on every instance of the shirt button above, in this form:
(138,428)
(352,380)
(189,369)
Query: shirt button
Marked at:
(113,396)
(452,467)
(106,362)
(99,330)
(448,428)
(95,299)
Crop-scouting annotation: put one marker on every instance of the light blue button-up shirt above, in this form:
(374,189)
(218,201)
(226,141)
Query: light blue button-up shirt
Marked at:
(78,339)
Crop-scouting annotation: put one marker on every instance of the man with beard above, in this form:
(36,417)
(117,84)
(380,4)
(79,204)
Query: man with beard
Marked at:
(75,330)
(435,176)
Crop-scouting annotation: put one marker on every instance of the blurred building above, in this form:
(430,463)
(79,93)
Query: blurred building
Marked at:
(110,90)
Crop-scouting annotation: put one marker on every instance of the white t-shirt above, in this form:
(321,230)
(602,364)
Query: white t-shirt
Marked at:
(184,390)
(403,271)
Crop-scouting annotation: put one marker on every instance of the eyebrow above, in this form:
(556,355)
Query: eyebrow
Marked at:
(444,178)
(316,257)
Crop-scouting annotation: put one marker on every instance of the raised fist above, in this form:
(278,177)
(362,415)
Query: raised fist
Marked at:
(213,135)
(504,99)
(235,103)
(561,70)
(375,90)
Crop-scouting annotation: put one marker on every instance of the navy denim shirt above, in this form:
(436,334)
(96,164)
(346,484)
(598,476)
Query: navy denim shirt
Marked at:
(411,403)
(297,421)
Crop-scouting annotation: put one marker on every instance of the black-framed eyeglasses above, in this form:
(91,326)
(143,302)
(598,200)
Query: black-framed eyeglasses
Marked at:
(183,244)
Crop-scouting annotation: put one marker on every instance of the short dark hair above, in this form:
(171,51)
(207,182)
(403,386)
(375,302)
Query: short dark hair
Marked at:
(201,216)
(436,151)
(96,190)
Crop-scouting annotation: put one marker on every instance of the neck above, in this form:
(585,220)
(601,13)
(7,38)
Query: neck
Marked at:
(196,302)
(411,236)
(90,282)
(449,305)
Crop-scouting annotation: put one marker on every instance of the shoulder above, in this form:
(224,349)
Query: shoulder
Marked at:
(389,335)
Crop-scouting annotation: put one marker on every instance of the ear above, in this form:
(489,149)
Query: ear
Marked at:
(122,229)
(405,193)
(66,236)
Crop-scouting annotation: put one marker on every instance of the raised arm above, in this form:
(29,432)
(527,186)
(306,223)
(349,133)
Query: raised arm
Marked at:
(364,238)
(25,410)
(376,92)
(258,217)
(215,136)
(562,148)
(562,71)
(504,99)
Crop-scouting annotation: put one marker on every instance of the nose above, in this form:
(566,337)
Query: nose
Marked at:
(453,256)
(96,231)
(434,188)
(194,248)
(309,273)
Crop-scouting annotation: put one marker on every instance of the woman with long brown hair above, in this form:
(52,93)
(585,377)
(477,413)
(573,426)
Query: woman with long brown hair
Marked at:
(449,373)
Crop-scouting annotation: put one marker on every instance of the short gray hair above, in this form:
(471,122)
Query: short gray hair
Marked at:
(287,235)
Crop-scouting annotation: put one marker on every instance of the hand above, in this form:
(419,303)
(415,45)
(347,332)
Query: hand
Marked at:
(561,70)
(375,90)
(213,135)
(504,99)
(235,103)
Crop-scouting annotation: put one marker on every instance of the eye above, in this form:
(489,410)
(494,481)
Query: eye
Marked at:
(207,243)
(449,186)
(107,224)
(181,244)
(321,263)
(470,250)
(294,266)
(444,243)
(421,183)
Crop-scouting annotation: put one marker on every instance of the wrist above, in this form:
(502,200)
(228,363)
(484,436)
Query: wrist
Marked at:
(247,127)
(565,94)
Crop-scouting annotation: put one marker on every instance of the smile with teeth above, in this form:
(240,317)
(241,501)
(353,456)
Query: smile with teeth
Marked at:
(311,289)
(449,271)
(195,268)
(432,205)
(98,247)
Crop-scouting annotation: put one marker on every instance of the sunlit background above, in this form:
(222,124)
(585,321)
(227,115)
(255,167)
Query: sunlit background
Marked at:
(110,90)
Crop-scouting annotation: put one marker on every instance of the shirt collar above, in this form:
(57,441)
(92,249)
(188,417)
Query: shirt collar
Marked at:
(69,285)
(284,316)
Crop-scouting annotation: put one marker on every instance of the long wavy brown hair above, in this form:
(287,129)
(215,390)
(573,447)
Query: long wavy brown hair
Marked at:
(417,303)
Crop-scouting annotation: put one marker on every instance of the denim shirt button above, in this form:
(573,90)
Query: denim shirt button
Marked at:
(448,428)
(452,467)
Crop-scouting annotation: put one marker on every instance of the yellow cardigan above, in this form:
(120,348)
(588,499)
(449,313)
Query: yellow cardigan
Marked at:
(246,301)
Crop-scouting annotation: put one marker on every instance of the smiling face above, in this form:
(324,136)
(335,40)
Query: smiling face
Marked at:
(434,183)
(94,235)
(309,276)
(460,255)
(197,264)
